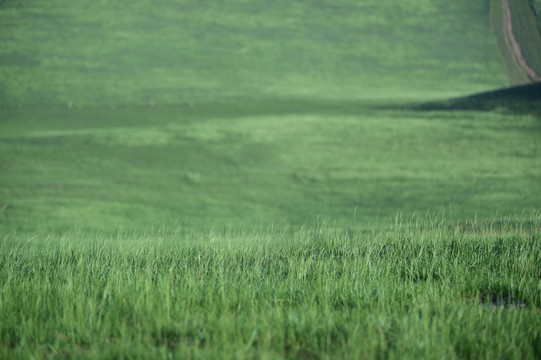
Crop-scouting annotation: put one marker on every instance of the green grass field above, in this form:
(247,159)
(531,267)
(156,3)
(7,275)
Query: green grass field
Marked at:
(422,290)
(257,164)
(100,53)
(524,20)
(268,180)
(536,5)
(526,32)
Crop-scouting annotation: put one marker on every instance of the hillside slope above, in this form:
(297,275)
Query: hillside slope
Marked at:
(260,164)
(105,52)
(536,4)
(516,27)
(523,99)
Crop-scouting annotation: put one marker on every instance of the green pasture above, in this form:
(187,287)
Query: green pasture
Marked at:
(264,230)
(524,18)
(265,180)
(252,165)
(527,33)
(115,52)
(515,73)
(422,290)
(536,5)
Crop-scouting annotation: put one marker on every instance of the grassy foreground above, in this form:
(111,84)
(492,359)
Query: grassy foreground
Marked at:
(422,289)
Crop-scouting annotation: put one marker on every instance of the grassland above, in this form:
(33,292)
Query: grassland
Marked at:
(422,290)
(515,25)
(99,53)
(515,72)
(527,33)
(264,231)
(253,165)
(536,5)
(258,180)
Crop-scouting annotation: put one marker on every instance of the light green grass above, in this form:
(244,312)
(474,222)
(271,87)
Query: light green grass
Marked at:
(102,53)
(525,18)
(421,290)
(253,165)
(263,230)
(234,180)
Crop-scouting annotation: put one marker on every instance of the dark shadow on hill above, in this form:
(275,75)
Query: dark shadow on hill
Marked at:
(525,99)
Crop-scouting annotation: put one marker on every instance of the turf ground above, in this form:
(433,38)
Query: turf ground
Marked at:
(106,52)
(253,165)
(257,180)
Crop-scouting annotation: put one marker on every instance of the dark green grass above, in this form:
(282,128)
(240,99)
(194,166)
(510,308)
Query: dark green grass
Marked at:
(419,290)
(525,99)
(536,6)
(102,53)
(527,33)
(515,73)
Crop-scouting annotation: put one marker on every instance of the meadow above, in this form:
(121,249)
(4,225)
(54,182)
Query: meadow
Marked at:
(422,289)
(103,53)
(270,231)
(257,164)
(310,179)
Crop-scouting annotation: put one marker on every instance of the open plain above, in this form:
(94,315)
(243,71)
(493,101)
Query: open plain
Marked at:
(233,179)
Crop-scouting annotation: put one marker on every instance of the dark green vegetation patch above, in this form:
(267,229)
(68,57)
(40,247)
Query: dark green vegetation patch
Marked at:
(525,99)
(536,7)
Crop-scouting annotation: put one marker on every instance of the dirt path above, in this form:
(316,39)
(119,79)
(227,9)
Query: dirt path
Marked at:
(534,76)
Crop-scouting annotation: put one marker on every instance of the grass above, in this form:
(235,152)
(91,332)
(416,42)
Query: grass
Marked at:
(250,180)
(416,290)
(527,33)
(525,99)
(536,6)
(262,230)
(516,74)
(257,164)
(102,54)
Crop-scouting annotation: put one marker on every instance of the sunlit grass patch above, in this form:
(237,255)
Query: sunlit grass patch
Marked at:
(417,289)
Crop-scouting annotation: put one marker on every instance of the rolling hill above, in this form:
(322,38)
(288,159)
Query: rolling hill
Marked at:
(254,179)
(204,113)
(103,53)
(515,24)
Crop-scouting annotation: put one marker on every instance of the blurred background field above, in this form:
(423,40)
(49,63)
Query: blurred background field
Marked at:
(257,164)
(245,114)
(117,52)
